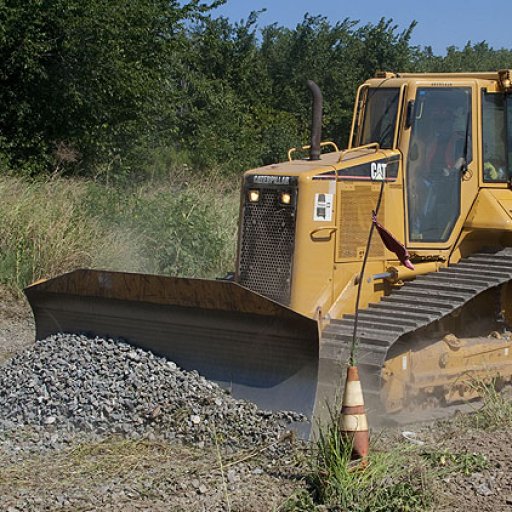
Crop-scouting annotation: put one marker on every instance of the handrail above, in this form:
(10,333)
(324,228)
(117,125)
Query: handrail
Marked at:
(372,145)
(305,148)
(316,235)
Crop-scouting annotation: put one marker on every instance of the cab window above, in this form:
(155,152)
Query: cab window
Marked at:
(439,149)
(379,109)
(496,137)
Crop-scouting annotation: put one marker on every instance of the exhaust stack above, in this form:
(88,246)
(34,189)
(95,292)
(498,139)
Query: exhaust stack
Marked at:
(316,123)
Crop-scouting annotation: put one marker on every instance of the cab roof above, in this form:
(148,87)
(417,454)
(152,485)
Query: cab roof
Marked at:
(503,78)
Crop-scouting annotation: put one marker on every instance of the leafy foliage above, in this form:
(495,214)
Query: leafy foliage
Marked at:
(167,227)
(91,77)
(179,226)
(495,412)
(94,87)
(44,232)
(446,462)
(392,479)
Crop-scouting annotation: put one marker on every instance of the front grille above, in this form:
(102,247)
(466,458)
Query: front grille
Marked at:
(267,244)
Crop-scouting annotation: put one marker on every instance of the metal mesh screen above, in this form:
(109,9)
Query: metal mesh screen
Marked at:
(267,245)
(354,218)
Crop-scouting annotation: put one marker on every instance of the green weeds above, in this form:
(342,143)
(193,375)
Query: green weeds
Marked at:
(496,410)
(396,476)
(393,479)
(181,227)
(446,462)
(43,231)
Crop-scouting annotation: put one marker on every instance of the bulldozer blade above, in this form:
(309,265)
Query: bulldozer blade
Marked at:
(258,349)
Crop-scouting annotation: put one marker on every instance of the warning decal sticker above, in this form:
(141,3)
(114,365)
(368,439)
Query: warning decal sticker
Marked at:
(323,207)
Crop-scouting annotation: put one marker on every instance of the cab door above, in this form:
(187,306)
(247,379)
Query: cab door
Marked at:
(441,181)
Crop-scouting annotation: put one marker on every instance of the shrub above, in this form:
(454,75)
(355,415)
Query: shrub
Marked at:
(393,479)
(180,227)
(44,232)
(175,228)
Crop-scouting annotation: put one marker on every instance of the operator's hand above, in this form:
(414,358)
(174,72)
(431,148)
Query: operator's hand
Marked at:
(460,163)
(457,166)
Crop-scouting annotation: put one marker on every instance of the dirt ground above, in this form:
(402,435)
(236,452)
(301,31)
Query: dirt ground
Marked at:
(85,474)
(16,325)
(487,490)
(481,489)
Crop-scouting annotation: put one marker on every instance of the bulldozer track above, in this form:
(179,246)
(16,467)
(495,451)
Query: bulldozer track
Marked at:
(416,305)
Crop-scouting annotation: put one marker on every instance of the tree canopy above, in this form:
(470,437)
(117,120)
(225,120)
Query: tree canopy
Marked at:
(89,84)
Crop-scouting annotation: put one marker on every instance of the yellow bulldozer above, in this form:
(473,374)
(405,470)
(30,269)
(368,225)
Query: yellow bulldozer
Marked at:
(431,154)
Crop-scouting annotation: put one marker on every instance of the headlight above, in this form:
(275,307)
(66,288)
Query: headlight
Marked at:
(253,196)
(285,198)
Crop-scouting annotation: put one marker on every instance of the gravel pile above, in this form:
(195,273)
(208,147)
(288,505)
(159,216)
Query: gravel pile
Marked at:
(70,383)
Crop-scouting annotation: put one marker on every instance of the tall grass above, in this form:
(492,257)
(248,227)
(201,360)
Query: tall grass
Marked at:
(183,225)
(393,479)
(43,231)
(495,412)
(165,226)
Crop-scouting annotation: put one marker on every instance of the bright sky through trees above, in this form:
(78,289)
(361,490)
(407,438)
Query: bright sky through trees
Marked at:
(441,23)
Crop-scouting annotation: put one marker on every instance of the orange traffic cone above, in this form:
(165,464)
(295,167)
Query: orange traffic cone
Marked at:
(353,423)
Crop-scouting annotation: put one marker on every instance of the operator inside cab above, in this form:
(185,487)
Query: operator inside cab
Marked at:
(497,137)
(440,147)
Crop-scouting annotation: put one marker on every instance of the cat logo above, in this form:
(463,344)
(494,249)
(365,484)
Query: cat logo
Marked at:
(378,171)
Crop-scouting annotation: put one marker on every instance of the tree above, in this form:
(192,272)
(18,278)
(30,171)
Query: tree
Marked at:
(83,81)
(338,57)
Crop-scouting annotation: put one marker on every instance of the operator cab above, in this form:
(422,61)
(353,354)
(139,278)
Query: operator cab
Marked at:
(432,120)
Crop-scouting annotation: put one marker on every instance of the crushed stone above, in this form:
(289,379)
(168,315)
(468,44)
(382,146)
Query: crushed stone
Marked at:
(70,383)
